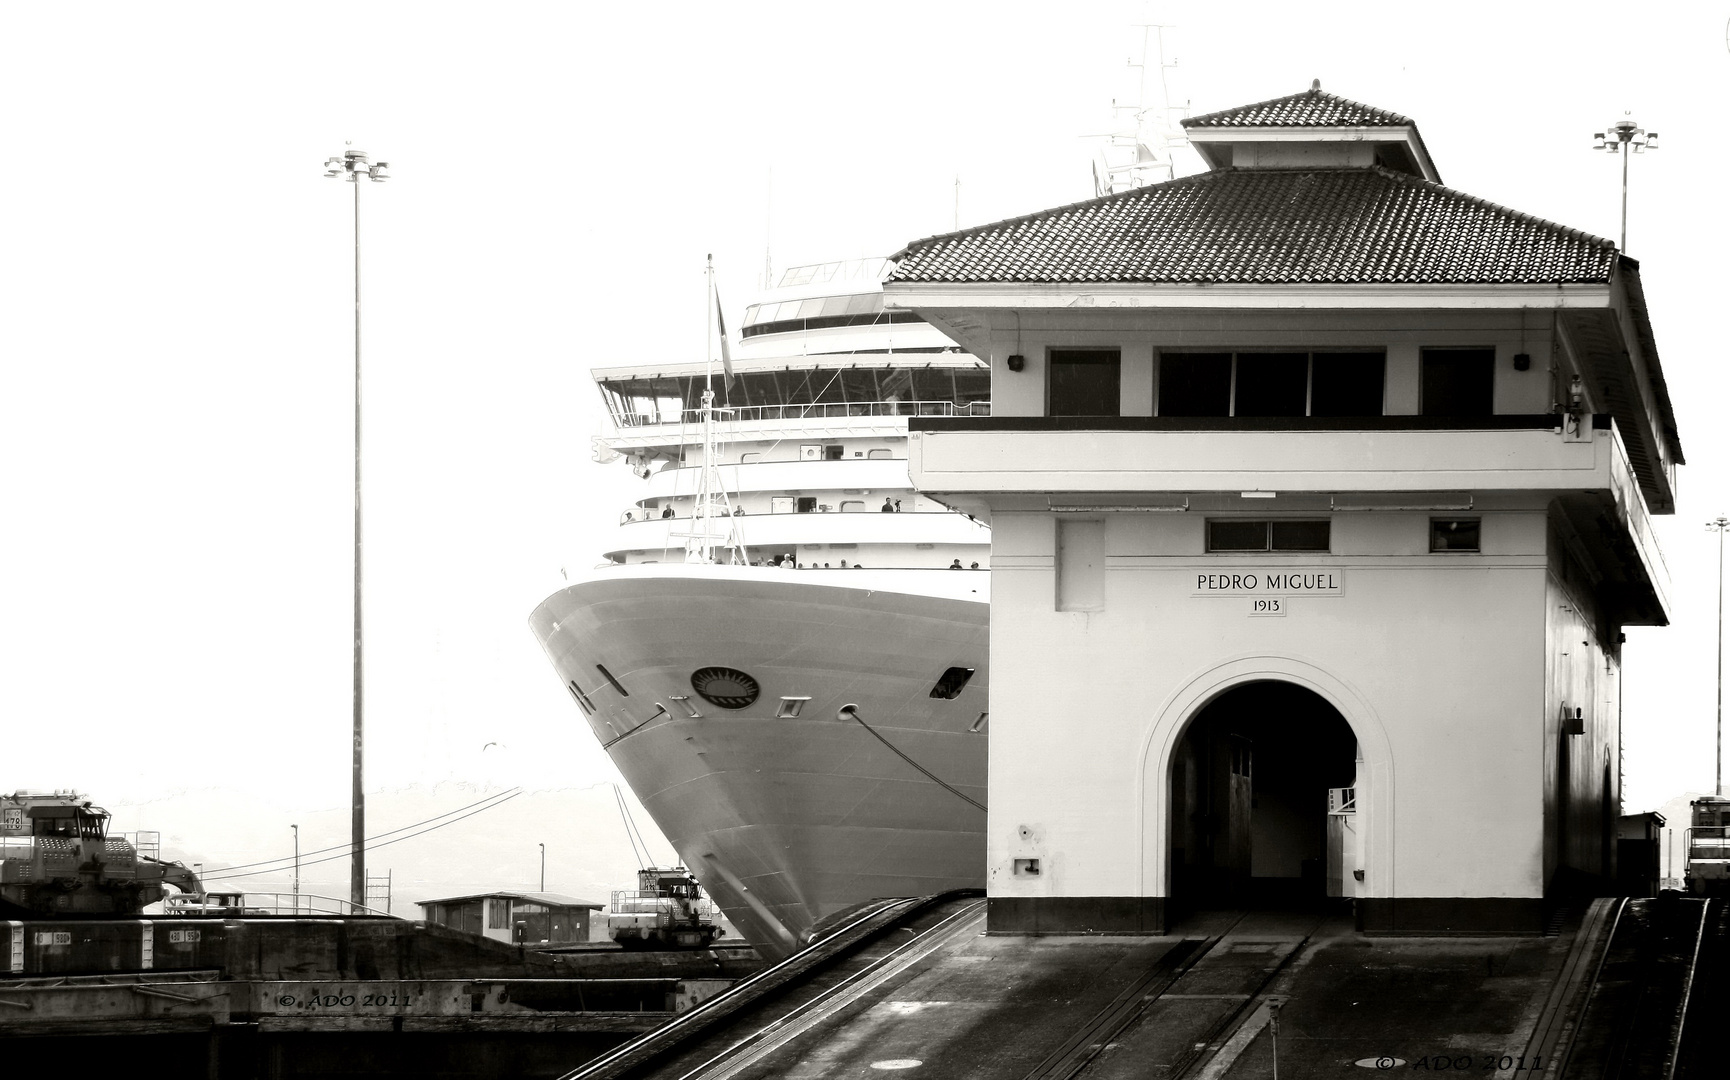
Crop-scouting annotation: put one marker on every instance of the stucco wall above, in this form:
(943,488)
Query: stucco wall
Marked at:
(1437,661)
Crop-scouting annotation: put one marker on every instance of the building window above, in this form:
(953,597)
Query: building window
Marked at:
(498,914)
(1084,382)
(1458,382)
(1238,534)
(1454,534)
(1272,384)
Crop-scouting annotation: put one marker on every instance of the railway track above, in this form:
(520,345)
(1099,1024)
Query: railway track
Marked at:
(1188,998)
(1647,1009)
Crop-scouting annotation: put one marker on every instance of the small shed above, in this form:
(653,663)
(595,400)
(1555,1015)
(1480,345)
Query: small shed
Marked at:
(520,918)
(1638,839)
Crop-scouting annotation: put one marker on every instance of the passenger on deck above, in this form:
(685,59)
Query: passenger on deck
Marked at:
(888,506)
(667,511)
(975,566)
(956,565)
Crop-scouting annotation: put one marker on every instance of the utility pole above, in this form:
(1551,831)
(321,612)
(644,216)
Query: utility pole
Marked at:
(543,868)
(1718,525)
(296,829)
(351,166)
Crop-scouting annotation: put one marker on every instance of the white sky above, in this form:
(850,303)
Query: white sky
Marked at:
(176,341)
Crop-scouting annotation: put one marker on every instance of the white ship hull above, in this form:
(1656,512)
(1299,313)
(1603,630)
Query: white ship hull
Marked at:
(789,819)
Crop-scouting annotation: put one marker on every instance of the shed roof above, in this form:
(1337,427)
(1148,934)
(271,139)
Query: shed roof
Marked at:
(547,898)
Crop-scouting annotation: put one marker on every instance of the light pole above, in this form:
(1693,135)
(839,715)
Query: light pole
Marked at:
(543,868)
(351,166)
(1625,137)
(1718,525)
(296,829)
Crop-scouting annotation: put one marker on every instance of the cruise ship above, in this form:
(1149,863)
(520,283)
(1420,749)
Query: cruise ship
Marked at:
(785,652)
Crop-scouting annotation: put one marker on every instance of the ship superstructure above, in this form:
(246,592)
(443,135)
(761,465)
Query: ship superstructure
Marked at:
(785,652)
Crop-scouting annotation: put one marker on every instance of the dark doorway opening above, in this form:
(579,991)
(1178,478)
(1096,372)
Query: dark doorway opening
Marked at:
(1250,798)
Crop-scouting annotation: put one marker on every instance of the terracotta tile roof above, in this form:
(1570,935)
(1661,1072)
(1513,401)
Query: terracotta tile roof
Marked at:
(1268,226)
(1312,108)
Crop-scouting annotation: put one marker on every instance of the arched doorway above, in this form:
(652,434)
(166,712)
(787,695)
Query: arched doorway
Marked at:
(1249,803)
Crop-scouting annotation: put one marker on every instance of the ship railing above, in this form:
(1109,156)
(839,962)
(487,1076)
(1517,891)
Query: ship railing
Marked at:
(812,411)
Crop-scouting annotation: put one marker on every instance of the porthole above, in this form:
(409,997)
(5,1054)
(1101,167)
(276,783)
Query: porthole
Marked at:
(726,687)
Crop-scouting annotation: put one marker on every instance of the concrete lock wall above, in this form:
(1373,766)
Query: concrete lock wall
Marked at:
(1450,669)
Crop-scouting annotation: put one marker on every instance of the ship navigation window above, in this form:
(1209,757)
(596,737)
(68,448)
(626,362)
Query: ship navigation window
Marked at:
(807,504)
(1084,382)
(832,452)
(1458,382)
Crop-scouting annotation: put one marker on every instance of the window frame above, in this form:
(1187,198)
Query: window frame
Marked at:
(1231,412)
(1110,355)
(1268,533)
(1477,547)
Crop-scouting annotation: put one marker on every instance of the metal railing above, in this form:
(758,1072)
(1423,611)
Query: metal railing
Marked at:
(280,903)
(812,411)
(640,902)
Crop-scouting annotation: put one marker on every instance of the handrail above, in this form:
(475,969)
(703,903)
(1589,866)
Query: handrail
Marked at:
(808,411)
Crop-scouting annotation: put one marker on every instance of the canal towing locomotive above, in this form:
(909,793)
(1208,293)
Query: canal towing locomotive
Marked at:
(57,860)
(1708,845)
(667,910)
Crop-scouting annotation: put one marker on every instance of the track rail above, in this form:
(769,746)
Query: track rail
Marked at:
(659,1046)
(783,1029)
(1633,1015)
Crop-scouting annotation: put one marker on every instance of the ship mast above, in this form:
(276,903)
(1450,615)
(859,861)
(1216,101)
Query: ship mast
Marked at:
(712,517)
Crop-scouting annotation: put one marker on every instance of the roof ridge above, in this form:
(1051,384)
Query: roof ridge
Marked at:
(1204,120)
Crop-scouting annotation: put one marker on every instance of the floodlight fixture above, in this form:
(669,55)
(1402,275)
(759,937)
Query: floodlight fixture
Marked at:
(1625,137)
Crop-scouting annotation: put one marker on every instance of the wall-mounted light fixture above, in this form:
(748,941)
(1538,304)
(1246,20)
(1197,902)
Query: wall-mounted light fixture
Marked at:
(1017,362)
(1522,361)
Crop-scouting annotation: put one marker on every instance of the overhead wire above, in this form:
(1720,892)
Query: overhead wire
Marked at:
(343,851)
(289,859)
(632,833)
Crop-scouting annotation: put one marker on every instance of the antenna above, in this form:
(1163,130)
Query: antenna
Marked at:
(768,221)
(1141,155)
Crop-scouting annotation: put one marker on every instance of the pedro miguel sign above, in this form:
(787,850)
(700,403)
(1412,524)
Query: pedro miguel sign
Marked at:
(1279,582)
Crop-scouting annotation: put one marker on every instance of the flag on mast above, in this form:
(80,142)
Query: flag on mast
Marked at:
(726,353)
